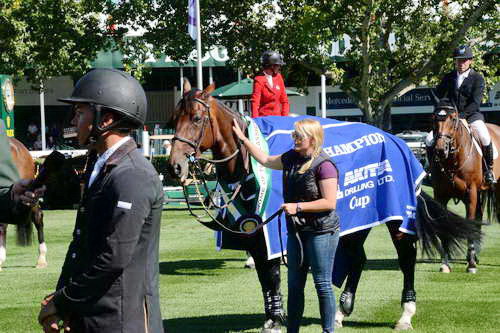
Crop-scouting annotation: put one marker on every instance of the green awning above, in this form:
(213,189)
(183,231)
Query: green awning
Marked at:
(241,90)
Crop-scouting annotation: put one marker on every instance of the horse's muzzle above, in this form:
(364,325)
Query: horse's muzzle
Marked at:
(178,170)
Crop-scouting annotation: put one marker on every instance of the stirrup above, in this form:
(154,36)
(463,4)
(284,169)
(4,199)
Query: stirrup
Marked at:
(489,177)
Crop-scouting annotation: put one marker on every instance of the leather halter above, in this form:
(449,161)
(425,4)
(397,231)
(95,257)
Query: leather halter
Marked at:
(451,147)
(196,144)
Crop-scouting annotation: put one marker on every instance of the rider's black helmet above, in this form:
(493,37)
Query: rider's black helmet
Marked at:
(272,58)
(113,90)
(463,52)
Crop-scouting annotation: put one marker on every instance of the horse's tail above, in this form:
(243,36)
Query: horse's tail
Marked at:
(24,232)
(441,231)
(489,201)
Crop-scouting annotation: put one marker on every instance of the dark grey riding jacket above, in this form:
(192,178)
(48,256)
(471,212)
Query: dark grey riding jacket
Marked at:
(467,98)
(303,188)
(109,280)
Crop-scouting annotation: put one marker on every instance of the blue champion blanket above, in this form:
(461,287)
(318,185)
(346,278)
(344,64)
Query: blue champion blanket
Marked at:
(378,176)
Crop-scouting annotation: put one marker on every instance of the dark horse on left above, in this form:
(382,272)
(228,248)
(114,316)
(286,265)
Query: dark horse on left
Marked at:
(26,168)
(202,123)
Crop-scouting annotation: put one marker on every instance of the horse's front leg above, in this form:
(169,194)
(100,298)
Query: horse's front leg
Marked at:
(3,243)
(37,220)
(352,247)
(407,258)
(472,246)
(445,257)
(268,272)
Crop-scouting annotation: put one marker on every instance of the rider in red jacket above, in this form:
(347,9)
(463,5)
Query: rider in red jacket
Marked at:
(269,96)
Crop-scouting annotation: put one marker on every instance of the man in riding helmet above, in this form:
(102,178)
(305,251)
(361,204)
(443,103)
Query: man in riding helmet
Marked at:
(109,280)
(269,96)
(464,87)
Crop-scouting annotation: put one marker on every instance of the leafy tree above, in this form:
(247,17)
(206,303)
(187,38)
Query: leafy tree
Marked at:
(377,69)
(45,38)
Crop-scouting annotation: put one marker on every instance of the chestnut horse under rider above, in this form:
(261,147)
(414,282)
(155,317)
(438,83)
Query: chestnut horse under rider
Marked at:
(464,87)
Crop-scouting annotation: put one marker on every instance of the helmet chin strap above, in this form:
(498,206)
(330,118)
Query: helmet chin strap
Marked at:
(97,129)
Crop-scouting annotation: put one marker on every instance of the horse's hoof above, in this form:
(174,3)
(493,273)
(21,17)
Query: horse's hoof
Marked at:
(472,270)
(339,318)
(250,263)
(41,265)
(445,268)
(403,326)
(271,326)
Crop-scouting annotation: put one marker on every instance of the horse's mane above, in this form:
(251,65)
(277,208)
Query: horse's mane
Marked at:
(181,109)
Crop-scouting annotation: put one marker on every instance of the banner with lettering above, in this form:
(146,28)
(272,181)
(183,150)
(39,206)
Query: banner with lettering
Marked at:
(378,175)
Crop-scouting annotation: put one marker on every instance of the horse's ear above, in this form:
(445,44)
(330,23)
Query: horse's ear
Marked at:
(208,90)
(187,86)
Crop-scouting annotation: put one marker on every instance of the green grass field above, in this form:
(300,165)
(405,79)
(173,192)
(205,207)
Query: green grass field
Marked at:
(207,291)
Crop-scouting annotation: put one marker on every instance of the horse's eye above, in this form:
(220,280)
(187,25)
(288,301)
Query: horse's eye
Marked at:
(196,118)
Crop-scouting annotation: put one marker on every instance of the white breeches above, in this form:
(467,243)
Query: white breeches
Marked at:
(478,127)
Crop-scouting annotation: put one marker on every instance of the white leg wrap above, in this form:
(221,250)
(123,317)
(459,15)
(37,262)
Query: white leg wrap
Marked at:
(250,263)
(409,310)
(339,318)
(479,127)
(42,256)
(42,248)
(3,254)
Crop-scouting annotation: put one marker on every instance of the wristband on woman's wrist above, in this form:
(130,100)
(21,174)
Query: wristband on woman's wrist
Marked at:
(298,208)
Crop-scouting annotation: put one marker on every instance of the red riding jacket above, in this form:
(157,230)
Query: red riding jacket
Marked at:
(267,100)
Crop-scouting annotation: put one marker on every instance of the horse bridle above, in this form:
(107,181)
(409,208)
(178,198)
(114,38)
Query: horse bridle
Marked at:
(195,162)
(449,140)
(450,143)
(196,144)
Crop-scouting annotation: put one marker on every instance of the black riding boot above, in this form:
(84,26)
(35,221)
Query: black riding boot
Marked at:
(489,177)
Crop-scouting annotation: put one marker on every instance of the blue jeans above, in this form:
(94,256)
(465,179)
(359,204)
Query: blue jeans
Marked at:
(319,253)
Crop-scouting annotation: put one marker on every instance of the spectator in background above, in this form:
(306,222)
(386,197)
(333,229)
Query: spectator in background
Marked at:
(31,134)
(269,95)
(37,145)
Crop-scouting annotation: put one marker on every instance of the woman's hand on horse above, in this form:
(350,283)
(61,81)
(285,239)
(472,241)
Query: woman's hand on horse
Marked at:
(237,130)
(290,208)
(21,192)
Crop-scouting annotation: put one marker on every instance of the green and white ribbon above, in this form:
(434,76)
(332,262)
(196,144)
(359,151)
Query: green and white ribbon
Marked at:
(262,174)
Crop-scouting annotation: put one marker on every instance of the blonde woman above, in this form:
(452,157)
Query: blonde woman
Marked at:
(310,197)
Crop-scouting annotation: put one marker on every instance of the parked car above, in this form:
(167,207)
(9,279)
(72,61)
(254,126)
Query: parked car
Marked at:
(416,141)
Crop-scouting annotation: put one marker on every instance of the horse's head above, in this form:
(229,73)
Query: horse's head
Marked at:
(194,128)
(445,126)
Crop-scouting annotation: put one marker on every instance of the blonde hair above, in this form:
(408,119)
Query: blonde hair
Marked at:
(310,128)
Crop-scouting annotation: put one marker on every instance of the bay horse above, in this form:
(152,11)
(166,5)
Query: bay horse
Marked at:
(457,172)
(202,123)
(26,168)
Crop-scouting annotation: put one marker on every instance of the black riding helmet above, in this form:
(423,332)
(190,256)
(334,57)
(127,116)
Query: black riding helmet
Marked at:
(272,58)
(112,90)
(463,52)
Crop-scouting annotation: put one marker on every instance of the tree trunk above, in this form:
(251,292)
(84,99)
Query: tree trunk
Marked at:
(386,118)
(378,117)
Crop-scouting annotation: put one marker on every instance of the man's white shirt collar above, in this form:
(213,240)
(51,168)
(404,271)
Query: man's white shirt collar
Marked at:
(104,157)
(462,77)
